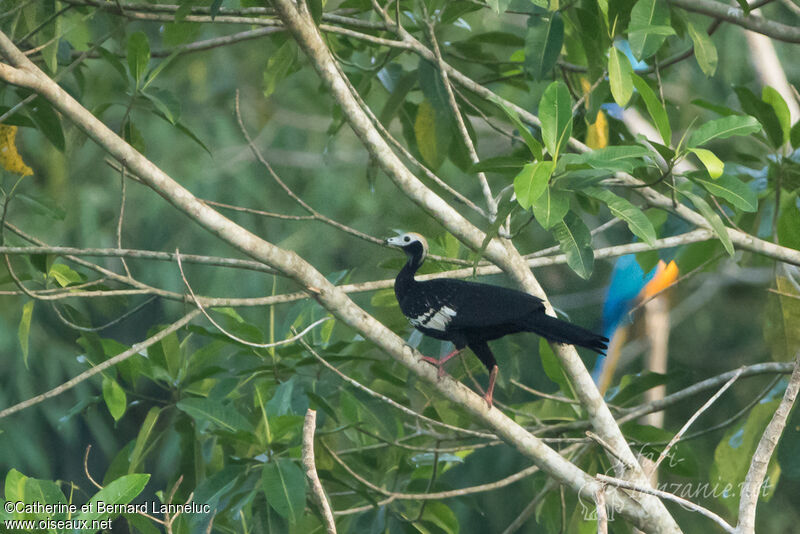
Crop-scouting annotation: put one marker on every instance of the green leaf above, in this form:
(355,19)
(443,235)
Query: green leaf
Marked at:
(221,415)
(281,401)
(533,145)
(724,128)
(115,398)
(704,50)
(550,207)
(649,27)
(504,209)
(794,135)
(138,56)
(712,163)
(285,488)
(165,102)
(64,275)
(782,320)
(315,8)
(634,217)
(531,182)
(24,330)
(499,164)
(121,491)
(441,517)
(713,219)
(133,136)
(734,452)
(214,9)
(620,76)
(575,241)
(190,134)
(594,39)
(788,459)
(763,112)
(543,45)
(48,122)
(139,451)
(774,99)
(615,158)
(166,353)
(160,67)
(397,96)
(733,190)
(431,141)
(42,205)
(552,367)
(655,108)
(278,66)
(721,110)
(789,223)
(555,112)
(114,61)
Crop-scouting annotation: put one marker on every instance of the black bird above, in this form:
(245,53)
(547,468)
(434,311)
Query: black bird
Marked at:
(469,314)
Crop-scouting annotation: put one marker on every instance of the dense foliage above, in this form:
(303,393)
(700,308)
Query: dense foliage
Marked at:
(517,114)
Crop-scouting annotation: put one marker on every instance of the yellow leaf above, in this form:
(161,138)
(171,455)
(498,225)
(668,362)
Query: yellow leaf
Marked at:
(597,133)
(9,157)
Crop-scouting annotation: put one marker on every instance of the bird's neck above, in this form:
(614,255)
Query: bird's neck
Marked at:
(405,278)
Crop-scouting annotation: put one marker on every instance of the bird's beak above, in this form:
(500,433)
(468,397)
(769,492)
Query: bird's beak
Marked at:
(390,241)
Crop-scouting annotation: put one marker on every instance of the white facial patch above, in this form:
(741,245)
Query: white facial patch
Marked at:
(435,319)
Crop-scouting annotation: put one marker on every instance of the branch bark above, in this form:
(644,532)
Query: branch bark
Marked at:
(751,489)
(317,492)
(734,15)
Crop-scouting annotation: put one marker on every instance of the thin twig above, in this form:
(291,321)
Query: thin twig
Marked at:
(122,356)
(232,336)
(86,468)
(462,127)
(391,402)
(481,488)
(694,417)
(317,492)
(609,449)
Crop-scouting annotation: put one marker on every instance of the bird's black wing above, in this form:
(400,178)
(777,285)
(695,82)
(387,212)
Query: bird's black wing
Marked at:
(478,305)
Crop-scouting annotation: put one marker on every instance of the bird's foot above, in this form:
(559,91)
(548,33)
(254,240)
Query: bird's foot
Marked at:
(488,396)
(439,364)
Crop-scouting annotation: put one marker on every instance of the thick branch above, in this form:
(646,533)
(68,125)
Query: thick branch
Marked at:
(751,489)
(734,15)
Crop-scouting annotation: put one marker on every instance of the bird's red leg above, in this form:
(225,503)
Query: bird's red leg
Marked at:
(490,390)
(441,361)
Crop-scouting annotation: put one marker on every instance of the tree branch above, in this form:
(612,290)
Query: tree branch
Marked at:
(751,488)
(735,15)
(317,492)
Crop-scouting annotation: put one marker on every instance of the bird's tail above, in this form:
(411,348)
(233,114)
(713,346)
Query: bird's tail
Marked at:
(560,331)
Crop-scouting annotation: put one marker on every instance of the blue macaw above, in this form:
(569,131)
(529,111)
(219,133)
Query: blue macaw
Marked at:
(629,286)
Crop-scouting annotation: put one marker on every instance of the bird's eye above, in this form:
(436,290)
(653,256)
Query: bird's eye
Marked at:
(406,239)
